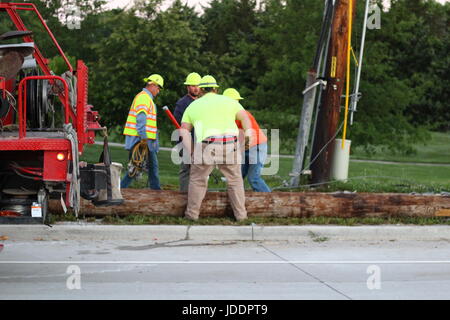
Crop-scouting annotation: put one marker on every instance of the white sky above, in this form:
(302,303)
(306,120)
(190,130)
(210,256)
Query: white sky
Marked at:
(123,3)
(197,3)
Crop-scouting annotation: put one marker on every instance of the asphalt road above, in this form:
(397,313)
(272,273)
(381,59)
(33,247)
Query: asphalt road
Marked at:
(318,268)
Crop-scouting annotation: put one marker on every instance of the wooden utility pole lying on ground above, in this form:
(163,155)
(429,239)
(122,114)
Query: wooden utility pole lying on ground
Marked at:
(275,204)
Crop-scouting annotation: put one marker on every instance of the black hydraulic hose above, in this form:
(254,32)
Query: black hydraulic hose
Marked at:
(326,25)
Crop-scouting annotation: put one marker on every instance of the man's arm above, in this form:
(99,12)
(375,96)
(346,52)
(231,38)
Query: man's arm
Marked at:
(246,124)
(241,137)
(141,121)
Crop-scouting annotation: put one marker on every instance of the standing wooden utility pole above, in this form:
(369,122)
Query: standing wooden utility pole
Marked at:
(329,110)
(309,99)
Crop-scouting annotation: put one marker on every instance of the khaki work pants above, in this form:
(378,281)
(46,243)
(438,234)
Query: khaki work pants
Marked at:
(228,159)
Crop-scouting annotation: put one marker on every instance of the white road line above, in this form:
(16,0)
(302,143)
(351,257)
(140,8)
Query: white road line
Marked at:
(232,262)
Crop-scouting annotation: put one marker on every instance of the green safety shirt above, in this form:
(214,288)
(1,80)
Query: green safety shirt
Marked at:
(213,115)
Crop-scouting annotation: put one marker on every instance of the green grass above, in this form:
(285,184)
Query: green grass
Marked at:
(260,221)
(363,177)
(436,150)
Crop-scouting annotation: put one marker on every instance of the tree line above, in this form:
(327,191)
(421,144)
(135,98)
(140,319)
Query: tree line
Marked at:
(263,49)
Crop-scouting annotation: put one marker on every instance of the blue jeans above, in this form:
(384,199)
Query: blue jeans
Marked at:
(254,159)
(153,173)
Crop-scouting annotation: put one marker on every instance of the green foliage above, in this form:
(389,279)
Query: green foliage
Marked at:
(288,34)
(58,64)
(422,27)
(401,79)
(137,47)
(224,19)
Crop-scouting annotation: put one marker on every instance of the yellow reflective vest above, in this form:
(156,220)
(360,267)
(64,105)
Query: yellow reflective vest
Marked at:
(142,103)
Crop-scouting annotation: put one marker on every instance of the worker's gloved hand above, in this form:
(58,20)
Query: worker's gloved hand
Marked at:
(248,142)
(143,142)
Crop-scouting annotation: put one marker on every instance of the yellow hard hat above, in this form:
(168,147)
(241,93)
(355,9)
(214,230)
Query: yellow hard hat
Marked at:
(193,79)
(155,78)
(233,94)
(208,82)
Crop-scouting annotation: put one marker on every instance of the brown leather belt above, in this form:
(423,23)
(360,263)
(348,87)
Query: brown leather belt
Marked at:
(222,140)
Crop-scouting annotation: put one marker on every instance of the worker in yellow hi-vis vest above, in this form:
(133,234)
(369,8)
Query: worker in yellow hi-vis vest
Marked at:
(141,126)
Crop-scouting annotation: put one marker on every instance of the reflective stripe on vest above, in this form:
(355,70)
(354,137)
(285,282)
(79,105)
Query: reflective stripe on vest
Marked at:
(142,103)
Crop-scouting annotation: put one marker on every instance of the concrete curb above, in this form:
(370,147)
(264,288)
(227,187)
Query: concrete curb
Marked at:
(84,231)
(359,233)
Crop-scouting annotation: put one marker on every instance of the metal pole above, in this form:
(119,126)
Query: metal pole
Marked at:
(355,96)
(304,128)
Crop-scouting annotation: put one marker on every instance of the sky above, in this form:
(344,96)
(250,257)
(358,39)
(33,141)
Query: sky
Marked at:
(123,3)
(196,3)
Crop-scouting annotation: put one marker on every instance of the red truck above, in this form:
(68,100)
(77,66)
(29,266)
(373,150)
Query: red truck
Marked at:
(45,122)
